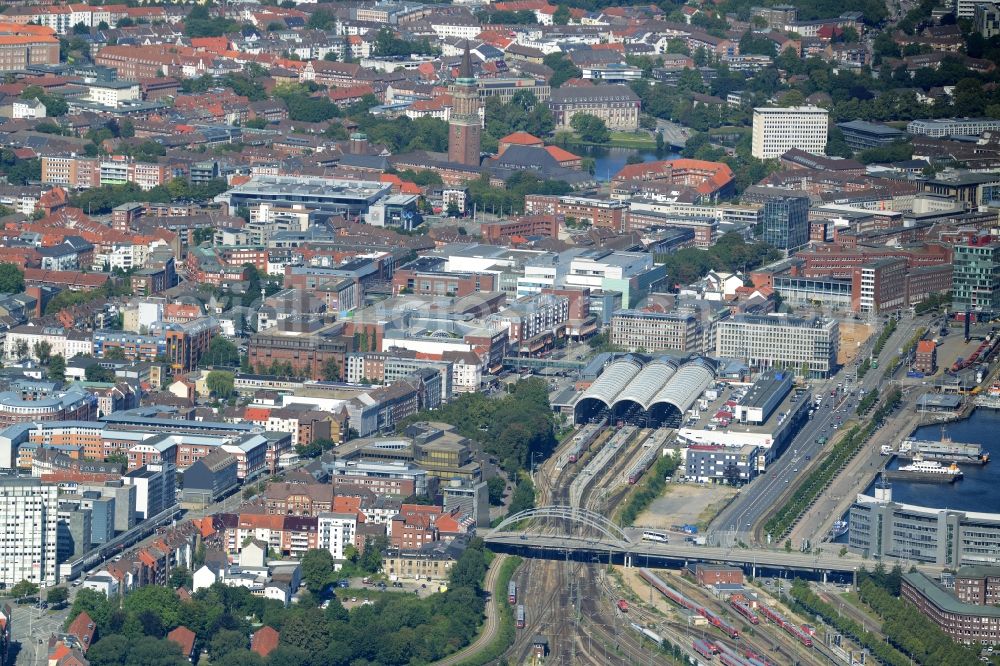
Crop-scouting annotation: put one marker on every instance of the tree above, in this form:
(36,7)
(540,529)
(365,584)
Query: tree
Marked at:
(331,370)
(180,577)
(98,373)
(496,486)
(160,601)
(42,351)
(561,16)
(226,641)
(318,570)
(24,589)
(220,352)
(11,279)
(306,630)
(57,595)
(114,353)
(524,496)
(220,383)
(562,67)
(21,349)
(590,128)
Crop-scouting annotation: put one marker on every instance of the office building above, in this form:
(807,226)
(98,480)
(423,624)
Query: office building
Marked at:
(861,134)
(471,498)
(786,222)
(976,277)
(879,286)
(940,127)
(776,130)
(24,46)
(29,518)
(964,622)
(617,105)
(638,330)
(328,195)
(925,535)
(781,341)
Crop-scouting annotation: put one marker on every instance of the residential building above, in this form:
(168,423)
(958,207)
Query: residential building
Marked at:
(29,515)
(776,130)
(777,340)
(335,531)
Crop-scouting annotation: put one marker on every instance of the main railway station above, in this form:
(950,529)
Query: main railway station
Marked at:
(646,393)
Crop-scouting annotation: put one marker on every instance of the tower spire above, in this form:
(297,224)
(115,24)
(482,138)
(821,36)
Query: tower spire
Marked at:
(465,69)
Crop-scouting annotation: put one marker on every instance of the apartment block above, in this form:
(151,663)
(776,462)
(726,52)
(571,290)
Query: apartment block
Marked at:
(776,130)
(72,172)
(23,46)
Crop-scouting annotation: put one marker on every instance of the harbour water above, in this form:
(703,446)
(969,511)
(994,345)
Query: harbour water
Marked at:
(979,490)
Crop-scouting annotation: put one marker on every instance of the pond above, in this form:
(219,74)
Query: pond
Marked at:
(609,161)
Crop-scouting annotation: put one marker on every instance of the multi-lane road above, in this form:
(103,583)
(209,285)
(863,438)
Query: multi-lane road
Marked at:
(738,520)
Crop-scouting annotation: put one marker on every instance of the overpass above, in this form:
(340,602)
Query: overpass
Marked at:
(562,532)
(519,363)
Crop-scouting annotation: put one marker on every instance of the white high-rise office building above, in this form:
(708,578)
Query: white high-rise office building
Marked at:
(779,129)
(29,517)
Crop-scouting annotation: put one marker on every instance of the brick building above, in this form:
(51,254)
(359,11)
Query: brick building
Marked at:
(925,360)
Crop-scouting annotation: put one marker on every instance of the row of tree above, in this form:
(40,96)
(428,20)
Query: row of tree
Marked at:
(817,480)
(904,626)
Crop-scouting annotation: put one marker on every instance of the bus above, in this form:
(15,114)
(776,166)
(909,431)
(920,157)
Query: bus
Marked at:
(651,535)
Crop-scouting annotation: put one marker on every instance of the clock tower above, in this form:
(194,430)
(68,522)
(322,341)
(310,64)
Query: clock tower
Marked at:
(464,128)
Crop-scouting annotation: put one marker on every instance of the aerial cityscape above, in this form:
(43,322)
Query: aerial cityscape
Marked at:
(387,332)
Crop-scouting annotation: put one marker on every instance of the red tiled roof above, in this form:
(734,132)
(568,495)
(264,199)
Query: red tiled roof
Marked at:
(560,155)
(184,637)
(521,139)
(83,628)
(264,641)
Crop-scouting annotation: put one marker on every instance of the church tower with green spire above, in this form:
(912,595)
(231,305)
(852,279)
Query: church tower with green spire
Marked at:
(464,128)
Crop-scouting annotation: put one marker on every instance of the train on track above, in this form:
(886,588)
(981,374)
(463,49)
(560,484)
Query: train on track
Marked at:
(583,440)
(650,451)
(622,605)
(512,593)
(797,632)
(684,602)
(519,616)
(651,635)
(704,648)
(739,603)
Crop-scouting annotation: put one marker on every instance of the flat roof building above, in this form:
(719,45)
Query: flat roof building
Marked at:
(350,198)
(939,127)
(778,340)
(776,130)
(861,134)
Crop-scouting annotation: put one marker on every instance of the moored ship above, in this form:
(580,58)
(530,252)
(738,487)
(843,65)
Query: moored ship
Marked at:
(925,471)
(944,450)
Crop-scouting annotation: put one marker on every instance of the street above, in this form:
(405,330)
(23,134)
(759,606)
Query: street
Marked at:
(736,521)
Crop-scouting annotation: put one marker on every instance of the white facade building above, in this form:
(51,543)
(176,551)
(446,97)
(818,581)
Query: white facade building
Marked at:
(60,341)
(775,340)
(335,531)
(776,130)
(28,532)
